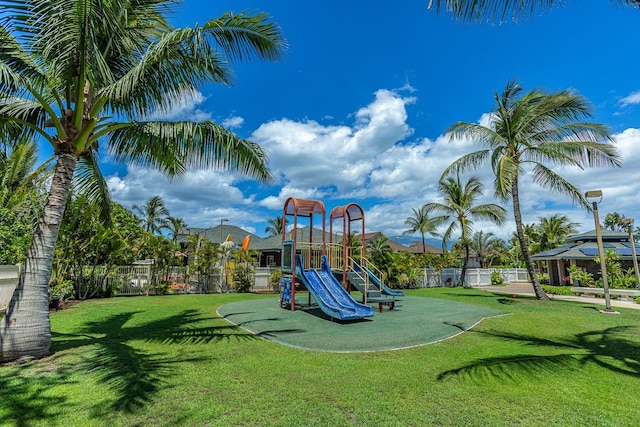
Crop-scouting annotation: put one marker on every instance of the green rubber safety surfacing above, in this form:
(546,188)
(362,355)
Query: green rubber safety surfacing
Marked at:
(419,321)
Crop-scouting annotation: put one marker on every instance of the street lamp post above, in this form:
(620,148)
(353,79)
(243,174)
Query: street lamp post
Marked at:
(596,196)
(628,222)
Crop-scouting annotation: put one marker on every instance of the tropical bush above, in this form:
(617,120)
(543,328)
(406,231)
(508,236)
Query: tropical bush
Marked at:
(616,275)
(15,237)
(543,278)
(496,278)
(242,278)
(577,275)
(274,279)
(557,290)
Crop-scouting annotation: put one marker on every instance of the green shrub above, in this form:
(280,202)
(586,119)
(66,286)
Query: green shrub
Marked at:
(161,288)
(62,289)
(585,279)
(274,279)
(243,278)
(557,290)
(496,278)
(543,278)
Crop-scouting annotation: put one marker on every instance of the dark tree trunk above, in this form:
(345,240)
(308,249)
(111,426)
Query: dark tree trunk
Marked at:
(465,264)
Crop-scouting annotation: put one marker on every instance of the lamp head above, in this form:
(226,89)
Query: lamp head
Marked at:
(593,193)
(627,221)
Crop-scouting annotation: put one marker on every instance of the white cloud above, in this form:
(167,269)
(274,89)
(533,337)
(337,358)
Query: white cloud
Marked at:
(233,122)
(631,99)
(372,161)
(312,155)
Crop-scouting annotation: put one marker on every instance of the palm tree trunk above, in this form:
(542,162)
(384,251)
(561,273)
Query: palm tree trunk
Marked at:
(465,264)
(25,331)
(524,245)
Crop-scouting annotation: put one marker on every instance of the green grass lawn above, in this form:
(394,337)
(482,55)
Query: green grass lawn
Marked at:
(172,361)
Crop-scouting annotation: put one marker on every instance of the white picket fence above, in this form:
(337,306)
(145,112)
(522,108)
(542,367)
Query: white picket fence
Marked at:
(137,280)
(476,277)
(140,280)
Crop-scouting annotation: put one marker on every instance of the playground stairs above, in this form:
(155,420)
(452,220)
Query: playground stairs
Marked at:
(373,293)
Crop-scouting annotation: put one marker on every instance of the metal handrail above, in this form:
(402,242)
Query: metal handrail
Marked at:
(365,279)
(376,271)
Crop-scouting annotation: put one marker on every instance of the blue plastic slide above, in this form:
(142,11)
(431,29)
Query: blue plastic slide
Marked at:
(329,294)
(376,281)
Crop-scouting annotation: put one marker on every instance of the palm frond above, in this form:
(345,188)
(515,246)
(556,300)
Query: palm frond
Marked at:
(90,183)
(549,179)
(172,147)
(501,11)
(466,163)
(177,63)
(247,34)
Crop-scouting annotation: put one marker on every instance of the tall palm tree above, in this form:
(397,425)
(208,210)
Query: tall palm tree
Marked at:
(420,222)
(275,227)
(534,130)
(504,10)
(154,214)
(552,231)
(82,73)
(459,208)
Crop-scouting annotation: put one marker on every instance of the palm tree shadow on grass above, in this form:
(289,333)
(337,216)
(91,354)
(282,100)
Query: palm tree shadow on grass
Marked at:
(135,375)
(25,402)
(615,349)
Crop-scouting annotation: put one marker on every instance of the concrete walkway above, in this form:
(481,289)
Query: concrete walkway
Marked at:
(527,289)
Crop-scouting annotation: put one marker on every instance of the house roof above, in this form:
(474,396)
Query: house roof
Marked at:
(274,243)
(585,246)
(213,234)
(607,235)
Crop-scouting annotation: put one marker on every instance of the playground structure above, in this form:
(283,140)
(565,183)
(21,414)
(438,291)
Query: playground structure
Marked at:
(325,261)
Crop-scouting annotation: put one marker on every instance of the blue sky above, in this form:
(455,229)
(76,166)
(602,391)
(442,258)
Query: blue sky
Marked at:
(358,108)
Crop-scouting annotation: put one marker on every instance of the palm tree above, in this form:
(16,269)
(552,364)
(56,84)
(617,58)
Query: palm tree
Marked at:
(552,231)
(380,253)
(613,221)
(482,244)
(420,222)
(175,225)
(79,73)
(154,215)
(460,209)
(531,130)
(275,227)
(504,10)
